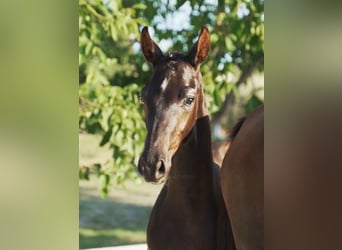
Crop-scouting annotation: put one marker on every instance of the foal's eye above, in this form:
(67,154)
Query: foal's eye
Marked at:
(189,100)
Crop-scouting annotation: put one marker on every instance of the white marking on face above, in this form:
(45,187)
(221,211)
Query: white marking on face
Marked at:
(164,85)
(187,74)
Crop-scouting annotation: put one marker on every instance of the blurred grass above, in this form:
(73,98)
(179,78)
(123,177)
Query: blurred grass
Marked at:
(119,219)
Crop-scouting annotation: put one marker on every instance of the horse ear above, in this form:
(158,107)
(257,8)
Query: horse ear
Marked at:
(150,49)
(200,50)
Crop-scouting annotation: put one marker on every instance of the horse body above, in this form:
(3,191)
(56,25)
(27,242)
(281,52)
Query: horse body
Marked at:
(189,213)
(242,178)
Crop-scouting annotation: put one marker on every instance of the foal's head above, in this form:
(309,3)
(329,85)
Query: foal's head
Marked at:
(173,100)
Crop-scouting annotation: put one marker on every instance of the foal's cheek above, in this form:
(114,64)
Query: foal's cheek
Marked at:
(182,128)
(183,125)
(175,140)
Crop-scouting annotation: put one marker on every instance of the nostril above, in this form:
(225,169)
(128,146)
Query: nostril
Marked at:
(141,166)
(161,168)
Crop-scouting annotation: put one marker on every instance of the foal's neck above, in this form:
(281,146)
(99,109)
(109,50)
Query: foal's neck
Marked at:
(192,164)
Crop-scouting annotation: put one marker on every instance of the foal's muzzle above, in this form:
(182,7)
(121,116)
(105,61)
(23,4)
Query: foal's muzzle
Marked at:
(152,172)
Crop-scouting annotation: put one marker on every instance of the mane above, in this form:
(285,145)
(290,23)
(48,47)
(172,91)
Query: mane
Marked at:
(171,58)
(173,55)
(236,129)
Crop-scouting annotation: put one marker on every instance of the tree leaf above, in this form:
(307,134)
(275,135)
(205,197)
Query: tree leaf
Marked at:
(139,6)
(106,136)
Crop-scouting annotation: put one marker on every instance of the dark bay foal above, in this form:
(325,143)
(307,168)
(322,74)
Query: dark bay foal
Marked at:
(189,213)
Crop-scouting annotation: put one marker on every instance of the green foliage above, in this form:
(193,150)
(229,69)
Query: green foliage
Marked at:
(253,102)
(112,69)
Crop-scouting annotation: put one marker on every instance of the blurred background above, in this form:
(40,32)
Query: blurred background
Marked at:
(114,202)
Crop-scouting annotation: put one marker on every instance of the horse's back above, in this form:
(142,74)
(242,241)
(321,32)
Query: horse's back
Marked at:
(243,182)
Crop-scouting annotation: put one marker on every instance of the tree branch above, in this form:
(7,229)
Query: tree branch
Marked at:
(230,98)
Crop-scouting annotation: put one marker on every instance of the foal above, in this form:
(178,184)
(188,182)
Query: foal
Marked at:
(189,213)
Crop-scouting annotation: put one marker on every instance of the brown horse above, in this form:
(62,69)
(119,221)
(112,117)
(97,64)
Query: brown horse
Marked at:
(189,213)
(242,180)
